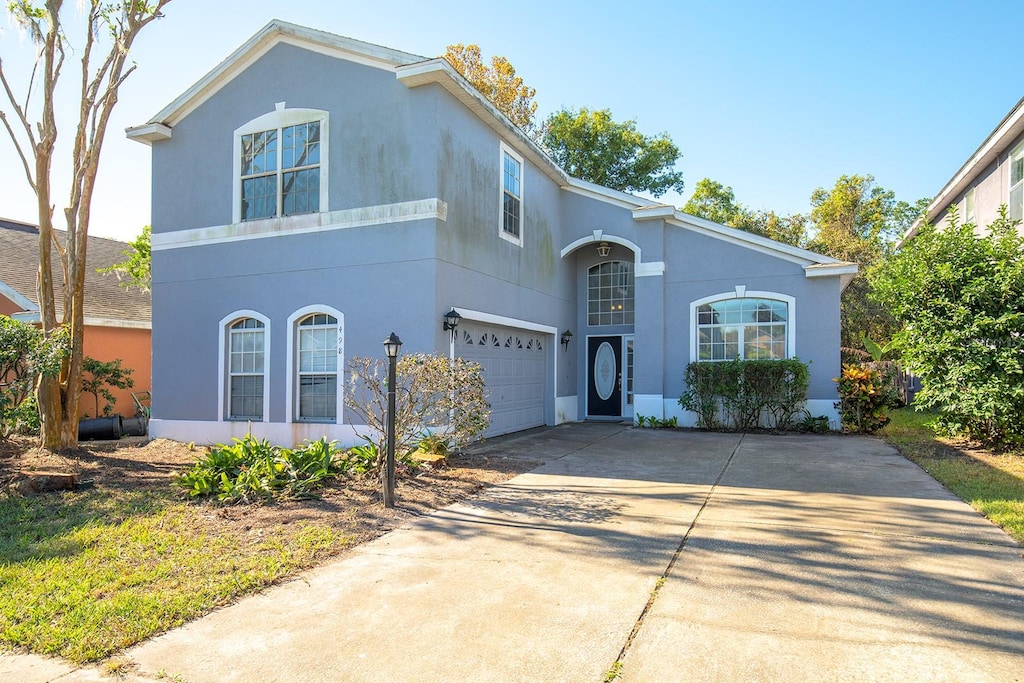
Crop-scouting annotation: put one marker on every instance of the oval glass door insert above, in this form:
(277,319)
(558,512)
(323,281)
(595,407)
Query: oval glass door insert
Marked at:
(605,372)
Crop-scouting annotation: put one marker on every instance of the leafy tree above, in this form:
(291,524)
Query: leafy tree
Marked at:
(497,82)
(960,299)
(135,270)
(432,391)
(859,221)
(25,354)
(110,28)
(590,145)
(717,202)
(97,376)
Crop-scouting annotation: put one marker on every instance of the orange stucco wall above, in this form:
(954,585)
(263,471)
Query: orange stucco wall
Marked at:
(134,349)
(8,307)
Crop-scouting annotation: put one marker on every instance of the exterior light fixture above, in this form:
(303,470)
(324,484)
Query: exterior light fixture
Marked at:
(604,249)
(391,347)
(451,321)
(566,336)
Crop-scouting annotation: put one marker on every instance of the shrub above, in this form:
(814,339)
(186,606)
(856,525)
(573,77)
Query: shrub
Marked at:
(862,398)
(744,394)
(252,470)
(97,376)
(959,293)
(433,392)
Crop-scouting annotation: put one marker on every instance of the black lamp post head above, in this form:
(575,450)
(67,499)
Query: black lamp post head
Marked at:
(391,345)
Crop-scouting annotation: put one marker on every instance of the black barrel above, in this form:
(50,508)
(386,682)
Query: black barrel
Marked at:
(134,426)
(107,428)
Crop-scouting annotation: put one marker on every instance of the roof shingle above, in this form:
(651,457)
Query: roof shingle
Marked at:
(104,297)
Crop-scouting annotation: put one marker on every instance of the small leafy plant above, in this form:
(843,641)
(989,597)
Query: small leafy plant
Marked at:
(862,398)
(252,470)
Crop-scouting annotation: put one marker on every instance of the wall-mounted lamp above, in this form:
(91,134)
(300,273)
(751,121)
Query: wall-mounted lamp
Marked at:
(604,249)
(566,336)
(451,321)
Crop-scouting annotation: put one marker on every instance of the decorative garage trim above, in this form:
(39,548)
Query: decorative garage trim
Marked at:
(504,321)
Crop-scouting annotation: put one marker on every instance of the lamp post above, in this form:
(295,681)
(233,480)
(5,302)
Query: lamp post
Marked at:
(391,346)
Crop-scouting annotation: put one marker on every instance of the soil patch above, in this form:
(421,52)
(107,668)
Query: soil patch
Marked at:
(349,504)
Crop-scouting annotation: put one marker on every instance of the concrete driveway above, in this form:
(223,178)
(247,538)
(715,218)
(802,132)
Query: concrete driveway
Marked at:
(662,556)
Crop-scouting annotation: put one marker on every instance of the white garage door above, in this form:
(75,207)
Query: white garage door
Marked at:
(514,363)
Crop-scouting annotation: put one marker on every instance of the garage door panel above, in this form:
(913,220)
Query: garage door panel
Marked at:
(515,370)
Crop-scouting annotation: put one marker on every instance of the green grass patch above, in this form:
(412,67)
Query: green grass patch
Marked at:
(992,483)
(88,573)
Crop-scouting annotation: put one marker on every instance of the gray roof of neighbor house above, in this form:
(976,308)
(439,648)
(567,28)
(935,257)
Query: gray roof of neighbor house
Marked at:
(106,302)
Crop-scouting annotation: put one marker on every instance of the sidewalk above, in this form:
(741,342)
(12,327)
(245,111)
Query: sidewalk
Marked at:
(795,558)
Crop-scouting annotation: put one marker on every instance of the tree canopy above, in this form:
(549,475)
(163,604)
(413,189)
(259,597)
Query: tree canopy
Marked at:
(136,269)
(497,82)
(590,145)
(859,221)
(716,202)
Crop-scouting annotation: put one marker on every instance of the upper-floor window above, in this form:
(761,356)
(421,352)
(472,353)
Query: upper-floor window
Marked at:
(1017,183)
(743,328)
(282,164)
(610,293)
(969,206)
(511,195)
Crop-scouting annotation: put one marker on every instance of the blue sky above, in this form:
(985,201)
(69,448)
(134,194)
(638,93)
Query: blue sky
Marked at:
(772,98)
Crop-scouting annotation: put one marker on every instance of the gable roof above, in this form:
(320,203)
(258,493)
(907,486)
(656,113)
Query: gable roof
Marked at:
(997,142)
(414,71)
(106,302)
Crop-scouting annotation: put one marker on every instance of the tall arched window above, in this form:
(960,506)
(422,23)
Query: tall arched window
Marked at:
(245,345)
(748,328)
(318,352)
(610,293)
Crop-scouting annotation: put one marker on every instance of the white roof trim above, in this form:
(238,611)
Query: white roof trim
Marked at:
(17,297)
(735,236)
(148,133)
(273,33)
(33,317)
(1008,130)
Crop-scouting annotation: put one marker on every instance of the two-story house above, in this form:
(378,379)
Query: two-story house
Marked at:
(314,193)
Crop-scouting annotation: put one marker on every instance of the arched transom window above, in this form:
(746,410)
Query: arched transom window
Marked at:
(744,328)
(610,293)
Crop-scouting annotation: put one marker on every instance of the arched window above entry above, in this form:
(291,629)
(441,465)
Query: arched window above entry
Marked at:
(610,294)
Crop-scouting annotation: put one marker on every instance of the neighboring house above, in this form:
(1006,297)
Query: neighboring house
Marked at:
(117,320)
(314,193)
(992,177)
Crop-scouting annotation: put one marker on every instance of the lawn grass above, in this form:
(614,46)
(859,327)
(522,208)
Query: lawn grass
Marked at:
(87,573)
(992,483)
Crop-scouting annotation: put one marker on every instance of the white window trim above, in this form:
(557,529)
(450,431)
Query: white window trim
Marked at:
(503,150)
(741,292)
(222,367)
(969,215)
(280,118)
(1017,152)
(292,377)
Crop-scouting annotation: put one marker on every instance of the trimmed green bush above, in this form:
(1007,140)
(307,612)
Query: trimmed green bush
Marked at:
(745,394)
